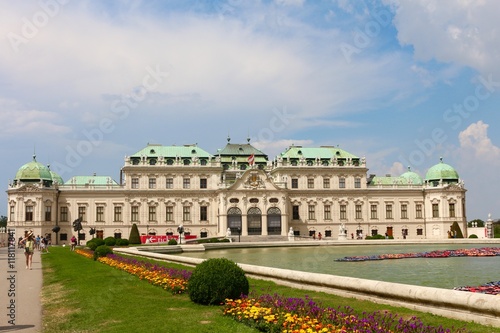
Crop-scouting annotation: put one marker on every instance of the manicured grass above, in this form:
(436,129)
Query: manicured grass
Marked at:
(82,295)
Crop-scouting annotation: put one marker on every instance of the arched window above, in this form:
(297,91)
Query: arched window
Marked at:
(234,220)
(274,221)
(254,217)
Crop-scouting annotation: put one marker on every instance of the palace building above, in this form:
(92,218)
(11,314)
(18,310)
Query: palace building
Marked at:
(307,190)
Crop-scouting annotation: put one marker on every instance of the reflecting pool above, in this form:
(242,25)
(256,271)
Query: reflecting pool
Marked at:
(431,272)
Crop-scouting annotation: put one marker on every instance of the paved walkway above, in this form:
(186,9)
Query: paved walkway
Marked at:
(20,291)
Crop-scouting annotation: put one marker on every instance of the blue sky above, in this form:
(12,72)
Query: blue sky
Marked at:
(403,83)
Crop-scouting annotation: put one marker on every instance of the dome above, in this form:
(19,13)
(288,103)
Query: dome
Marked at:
(56,178)
(33,172)
(442,171)
(411,177)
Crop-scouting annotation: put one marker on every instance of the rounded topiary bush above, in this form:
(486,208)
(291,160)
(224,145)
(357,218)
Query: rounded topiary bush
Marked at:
(102,251)
(110,241)
(216,279)
(122,242)
(172,242)
(473,236)
(91,244)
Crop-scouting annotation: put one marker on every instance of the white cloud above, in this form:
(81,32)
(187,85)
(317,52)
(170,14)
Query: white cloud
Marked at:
(474,140)
(463,32)
(16,119)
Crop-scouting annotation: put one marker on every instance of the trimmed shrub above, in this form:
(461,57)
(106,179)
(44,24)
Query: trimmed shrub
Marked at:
(134,238)
(216,279)
(110,241)
(456,229)
(213,240)
(122,242)
(377,236)
(102,251)
(94,243)
(172,242)
(473,236)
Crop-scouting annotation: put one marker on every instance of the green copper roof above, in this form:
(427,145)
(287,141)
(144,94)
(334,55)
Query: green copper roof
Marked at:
(56,178)
(323,152)
(33,171)
(155,150)
(234,149)
(411,177)
(441,171)
(91,180)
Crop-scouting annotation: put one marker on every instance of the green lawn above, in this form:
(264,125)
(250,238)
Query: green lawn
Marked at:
(81,295)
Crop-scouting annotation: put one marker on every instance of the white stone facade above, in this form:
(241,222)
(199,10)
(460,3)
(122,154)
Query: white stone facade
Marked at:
(264,200)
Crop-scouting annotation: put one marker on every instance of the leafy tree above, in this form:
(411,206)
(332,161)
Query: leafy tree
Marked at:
(134,238)
(3,221)
(479,223)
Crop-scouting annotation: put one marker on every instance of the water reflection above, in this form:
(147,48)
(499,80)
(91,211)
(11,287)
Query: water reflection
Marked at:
(439,272)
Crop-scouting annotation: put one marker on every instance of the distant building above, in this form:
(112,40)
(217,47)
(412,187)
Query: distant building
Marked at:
(311,190)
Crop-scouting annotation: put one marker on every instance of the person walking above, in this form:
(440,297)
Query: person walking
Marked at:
(73,243)
(29,249)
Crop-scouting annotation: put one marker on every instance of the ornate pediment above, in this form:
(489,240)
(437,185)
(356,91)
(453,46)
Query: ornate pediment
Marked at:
(254,180)
(454,187)
(29,188)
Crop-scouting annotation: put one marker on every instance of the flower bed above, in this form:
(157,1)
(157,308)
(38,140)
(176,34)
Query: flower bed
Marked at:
(491,288)
(170,279)
(274,313)
(476,252)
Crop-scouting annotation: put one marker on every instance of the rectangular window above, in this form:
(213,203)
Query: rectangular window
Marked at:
(452,209)
(203,213)
(186,213)
(341,182)
(343,212)
(326,182)
(295,183)
(388,211)
(420,232)
(64,214)
(134,213)
(169,213)
(152,182)
(310,182)
(357,183)
(418,211)
(135,182)
(29,213)
(169,183)
(328,212)
(48,213)
(435,210)
(359,214)
(118,214)
(12,213)
(203,183)
(152,213)
(82,213)
(373,212)
(311,212)
(186,183)
(99,216)
(295,213)
(404,211)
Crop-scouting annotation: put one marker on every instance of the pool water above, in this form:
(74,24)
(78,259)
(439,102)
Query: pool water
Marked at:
(431,272)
